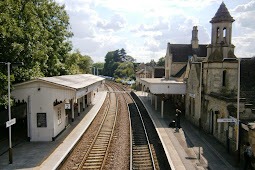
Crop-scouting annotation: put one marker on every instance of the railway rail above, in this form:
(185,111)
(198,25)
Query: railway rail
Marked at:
(97,152)
(140,150)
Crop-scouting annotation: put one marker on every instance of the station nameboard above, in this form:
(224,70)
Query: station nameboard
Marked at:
(10,122)
(226,120)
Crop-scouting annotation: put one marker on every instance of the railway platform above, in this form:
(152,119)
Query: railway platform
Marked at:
(48,155)
(187,147)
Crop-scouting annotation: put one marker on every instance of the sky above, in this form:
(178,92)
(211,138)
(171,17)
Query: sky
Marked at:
(144,27)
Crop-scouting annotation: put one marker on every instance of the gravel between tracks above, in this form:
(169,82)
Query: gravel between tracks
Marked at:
(118,156)
(76,155)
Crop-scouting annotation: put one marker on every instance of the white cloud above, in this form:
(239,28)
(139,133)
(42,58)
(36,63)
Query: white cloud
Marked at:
(246,7)
(116,23)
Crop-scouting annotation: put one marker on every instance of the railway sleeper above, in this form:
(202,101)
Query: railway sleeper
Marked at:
(91,167)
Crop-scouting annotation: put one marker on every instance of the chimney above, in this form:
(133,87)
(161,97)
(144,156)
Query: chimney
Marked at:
(194,40)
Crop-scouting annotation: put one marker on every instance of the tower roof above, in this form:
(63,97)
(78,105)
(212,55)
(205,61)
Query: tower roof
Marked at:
(222,15)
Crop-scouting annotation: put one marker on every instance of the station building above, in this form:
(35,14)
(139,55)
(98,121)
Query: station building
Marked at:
(205,79)
(51,102)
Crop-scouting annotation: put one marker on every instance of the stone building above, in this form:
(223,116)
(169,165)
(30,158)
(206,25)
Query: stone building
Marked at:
(212,85)
(207,77)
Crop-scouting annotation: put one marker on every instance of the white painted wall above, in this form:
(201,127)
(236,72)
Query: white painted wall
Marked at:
(42,102)
(59,127)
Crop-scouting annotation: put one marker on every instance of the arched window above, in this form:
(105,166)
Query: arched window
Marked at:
(218,32)
(224,32)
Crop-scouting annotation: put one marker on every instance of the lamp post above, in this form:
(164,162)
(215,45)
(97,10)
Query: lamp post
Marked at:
(9,106)
(238,100)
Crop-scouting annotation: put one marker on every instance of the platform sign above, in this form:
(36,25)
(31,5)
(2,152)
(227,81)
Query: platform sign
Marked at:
(10,122)
(67,106)
(226,120)
(192,95)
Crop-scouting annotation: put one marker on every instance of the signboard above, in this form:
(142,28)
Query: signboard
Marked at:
(192,95)
(67,106)
(41,120)
(10,122)
(226,120)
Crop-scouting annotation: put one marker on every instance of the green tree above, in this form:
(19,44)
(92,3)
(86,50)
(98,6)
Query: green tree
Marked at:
(113,60)
(76,63)
(35,33)
(161,61)
(125,69)
(99,66)
(111,63)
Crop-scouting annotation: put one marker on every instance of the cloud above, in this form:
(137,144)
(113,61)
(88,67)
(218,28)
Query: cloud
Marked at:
(116,23)
(244,45)
(243,30)
(246,7)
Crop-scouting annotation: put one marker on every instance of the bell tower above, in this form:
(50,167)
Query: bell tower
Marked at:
(221,44)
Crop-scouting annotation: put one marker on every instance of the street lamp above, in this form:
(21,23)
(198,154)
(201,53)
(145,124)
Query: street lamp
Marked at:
(238,99)
(9,105)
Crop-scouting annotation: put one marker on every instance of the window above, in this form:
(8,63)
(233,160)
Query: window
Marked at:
(224,78)
(224,32)
(218,32)
(59,116)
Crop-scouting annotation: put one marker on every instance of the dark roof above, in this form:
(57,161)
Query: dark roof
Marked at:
(180,73)
(216,56)
(159,72)
(181,52)
(247,81)
(222,15)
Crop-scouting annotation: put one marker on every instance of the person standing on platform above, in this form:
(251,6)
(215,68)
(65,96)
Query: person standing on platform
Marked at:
(248,154)
(178,115)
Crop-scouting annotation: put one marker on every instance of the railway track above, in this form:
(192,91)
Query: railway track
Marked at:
(96,154)
(140,149)
(97,148)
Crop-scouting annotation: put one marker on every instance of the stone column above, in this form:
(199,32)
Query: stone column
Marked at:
(156,102)
(72,106)
(162,108)
(79,107)
(151,98)
(83,103)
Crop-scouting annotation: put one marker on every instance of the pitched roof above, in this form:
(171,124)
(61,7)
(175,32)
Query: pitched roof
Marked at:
(222,15)
(76,81)
(181,72)
(181,52)
(216,56)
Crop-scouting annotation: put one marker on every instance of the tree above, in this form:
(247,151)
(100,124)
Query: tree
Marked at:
(76,63)
(161,61)
(35,33)
(125,69)
(99,66)
(111,63)
(113,59)
(85,64)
